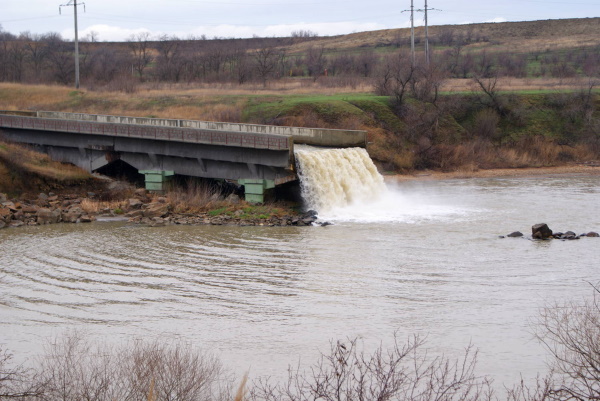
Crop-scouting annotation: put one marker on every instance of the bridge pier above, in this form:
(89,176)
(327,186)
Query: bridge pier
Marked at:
(254,189)
(156,179)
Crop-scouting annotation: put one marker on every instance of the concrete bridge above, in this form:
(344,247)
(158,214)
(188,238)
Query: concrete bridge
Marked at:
(256,156)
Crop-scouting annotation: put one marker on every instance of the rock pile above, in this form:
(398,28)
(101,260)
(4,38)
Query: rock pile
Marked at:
(46,209)
(142,208)
(543,232)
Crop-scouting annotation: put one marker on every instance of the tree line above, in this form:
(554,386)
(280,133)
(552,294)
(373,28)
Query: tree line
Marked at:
(48,58)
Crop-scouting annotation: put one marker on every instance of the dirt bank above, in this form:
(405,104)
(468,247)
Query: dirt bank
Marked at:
(576,169)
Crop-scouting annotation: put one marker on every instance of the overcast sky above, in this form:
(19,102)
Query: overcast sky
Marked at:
(114,20)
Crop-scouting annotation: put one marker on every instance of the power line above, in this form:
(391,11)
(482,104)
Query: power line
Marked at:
(412,31)
(74,4)
(424,10)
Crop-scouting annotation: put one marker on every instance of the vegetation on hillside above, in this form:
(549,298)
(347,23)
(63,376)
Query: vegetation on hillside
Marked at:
(464,110)
(519,50)
(469,131)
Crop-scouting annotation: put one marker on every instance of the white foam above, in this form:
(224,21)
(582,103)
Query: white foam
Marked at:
(344,185)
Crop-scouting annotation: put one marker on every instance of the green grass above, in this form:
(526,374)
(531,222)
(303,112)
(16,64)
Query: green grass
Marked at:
(330,108)
(217,212)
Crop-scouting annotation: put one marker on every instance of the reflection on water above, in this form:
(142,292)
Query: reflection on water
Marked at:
(426,260)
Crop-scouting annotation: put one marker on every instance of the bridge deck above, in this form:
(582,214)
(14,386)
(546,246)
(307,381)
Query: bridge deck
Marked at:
(177,134)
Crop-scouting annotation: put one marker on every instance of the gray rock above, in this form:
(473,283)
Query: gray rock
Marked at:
(87,218)
(43,197)
(16,223)
(5,214)
(47,216)
(156,210)
(233,199)
(72,215)
(135,203)
(3,197)
(541,231)
(2,224)
(135,213)
(157,222)
(515,234)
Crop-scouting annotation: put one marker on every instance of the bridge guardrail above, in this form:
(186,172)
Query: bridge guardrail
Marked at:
(204,136)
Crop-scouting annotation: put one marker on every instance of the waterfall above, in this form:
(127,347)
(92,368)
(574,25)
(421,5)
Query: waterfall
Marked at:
(336,178)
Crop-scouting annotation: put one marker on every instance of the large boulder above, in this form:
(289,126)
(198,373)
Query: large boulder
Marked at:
(134,203)
(156,209)
(541,231)
(47,216)
(72,215)
(5,214)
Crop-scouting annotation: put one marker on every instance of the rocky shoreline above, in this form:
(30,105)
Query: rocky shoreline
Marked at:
(142,208)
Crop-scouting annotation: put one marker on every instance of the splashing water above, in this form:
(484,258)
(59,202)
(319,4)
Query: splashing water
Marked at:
(344,185)
(335,178)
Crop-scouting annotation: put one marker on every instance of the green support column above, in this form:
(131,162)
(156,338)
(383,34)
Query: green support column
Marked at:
(156,179)
(255,189)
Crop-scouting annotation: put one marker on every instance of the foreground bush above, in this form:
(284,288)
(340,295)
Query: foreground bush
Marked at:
(73,369)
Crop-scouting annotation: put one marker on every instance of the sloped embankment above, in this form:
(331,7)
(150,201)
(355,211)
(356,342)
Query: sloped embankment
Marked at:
(23,170)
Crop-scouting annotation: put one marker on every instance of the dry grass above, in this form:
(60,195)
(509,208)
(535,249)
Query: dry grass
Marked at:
(529,152)
(240,395)
(94,206)
(510,84)
(518,36)
(196,198)
(40,164)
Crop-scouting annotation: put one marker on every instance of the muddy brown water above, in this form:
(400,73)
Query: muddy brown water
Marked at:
(424,259)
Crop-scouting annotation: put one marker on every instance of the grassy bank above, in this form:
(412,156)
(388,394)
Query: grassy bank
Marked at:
(457,131)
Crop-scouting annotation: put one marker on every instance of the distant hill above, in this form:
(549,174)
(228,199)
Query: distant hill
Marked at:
(508,36)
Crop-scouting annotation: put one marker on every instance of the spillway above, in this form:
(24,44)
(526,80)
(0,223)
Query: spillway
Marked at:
(335,178)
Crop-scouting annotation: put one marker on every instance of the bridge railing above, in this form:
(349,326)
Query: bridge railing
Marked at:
(204,136)
(310,136)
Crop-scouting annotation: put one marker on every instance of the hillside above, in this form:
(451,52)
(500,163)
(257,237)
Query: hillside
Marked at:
(549,50)
(458,131)
(532,36)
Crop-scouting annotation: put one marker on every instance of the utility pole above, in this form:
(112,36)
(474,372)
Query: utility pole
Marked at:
(426,35)
(412,31)
(74,4)
(427,56)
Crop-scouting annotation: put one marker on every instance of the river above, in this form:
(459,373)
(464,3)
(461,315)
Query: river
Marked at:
(426,258)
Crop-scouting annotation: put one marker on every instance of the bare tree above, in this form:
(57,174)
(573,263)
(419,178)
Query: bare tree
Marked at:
(266,59)
(171,60)
(16,382)
(74,369)
(571,332)
(396,77)
(37,55)
(139,44)
(402,372)
(315,61)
